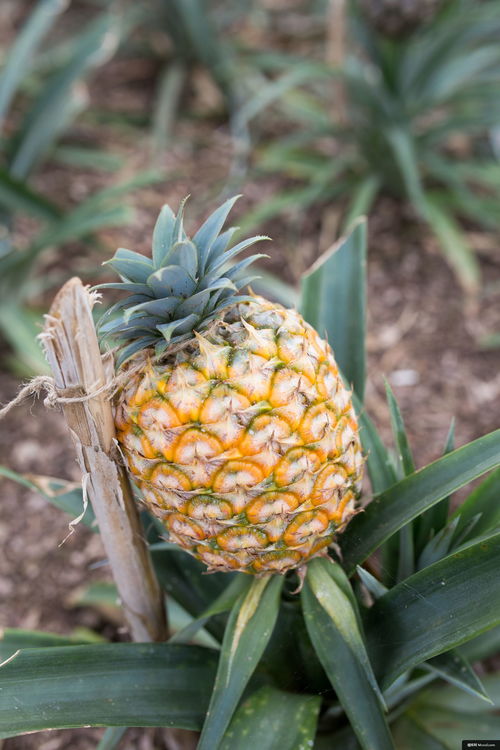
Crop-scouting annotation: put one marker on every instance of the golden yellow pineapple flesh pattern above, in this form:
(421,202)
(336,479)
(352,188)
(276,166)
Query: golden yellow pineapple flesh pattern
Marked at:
(245,442)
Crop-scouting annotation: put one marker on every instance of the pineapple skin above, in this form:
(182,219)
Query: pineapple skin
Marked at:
(244,441)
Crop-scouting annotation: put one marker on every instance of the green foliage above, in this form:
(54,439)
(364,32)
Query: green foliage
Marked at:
(119,684)
(354,661)
(340,276)
(248,630)
(408,101)
(269,714)
(333,623)
(38,104)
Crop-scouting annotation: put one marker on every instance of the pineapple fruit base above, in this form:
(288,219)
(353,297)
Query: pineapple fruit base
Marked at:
(244,441)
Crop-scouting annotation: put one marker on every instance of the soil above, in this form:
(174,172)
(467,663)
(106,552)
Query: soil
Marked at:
(423,335)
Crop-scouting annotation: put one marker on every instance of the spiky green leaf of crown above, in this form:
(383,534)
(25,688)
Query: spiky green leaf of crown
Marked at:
(182,288)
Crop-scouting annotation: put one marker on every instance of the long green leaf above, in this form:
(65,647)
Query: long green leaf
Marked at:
(43,122)
(249,628)
(292,199)
(332,624)
(405,500)
(405,458)
(435,519)
(435,610)
(77,224)
(378,460)
(398,553)
(438,546)
(480,511)
(88,158)
(22,51)
(170,88)
(452,699)
(454,244)
(103,209)
(112,195)
(116,684)
(403,148)
(333,302)
(195,35)
(453,667)
(275,90)
(270,718)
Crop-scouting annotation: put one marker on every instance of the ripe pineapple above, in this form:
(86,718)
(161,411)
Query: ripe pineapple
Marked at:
(395,18)
(234,420)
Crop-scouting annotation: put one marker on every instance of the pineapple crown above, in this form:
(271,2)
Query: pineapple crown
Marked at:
(183,287)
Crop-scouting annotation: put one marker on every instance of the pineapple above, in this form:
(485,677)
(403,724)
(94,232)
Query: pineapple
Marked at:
(233,418)
(394,18)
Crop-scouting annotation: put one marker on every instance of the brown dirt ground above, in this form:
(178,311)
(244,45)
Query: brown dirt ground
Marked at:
(422,335)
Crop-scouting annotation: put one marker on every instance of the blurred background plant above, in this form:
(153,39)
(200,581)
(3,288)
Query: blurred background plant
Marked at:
(41,96)
(408,107)
(394,98)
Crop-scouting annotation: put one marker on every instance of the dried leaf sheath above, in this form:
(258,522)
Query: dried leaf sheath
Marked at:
(72,350)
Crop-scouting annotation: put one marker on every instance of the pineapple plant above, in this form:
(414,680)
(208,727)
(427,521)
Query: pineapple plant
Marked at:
(418,118)
(233,418)
(374,651)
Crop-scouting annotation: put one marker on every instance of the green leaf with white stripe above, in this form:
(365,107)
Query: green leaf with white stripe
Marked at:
(333,625)
(248,631)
